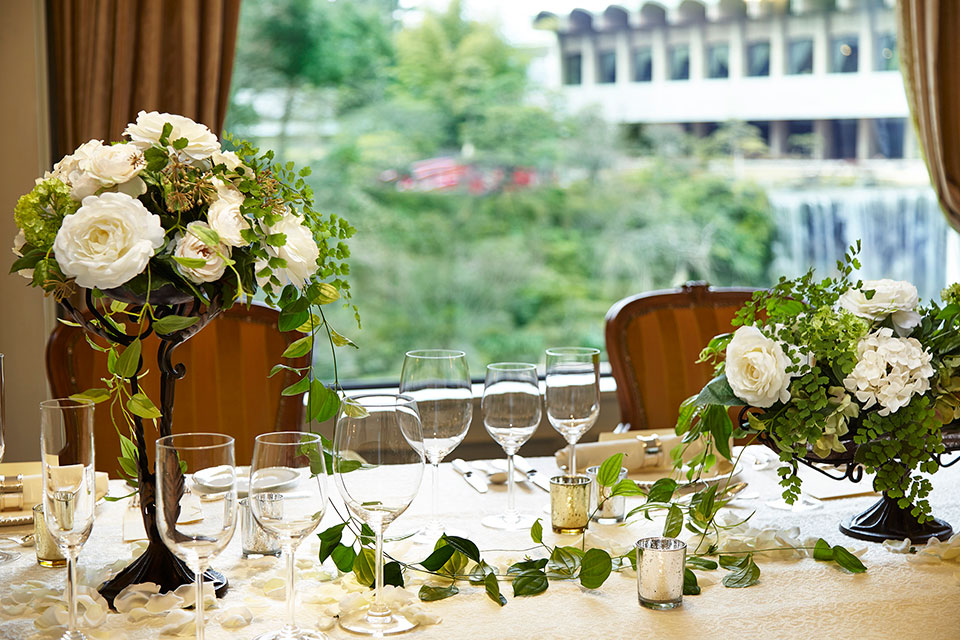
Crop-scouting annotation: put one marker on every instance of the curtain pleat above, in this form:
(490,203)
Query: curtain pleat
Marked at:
(929,60)
(110,59)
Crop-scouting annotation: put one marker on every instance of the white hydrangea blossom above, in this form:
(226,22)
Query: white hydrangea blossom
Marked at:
(890,370)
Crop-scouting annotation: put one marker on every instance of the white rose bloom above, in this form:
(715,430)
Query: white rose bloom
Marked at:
(113,164)
(756,368)
(190,246)
(889,371)
(108,241)
(70,171)
(17,249)
(895,298)
(300,251)
(228,158)
(224,215)
(145,132)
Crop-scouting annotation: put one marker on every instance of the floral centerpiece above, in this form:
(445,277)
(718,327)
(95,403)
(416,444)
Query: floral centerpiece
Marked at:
(837,366)
(162,231)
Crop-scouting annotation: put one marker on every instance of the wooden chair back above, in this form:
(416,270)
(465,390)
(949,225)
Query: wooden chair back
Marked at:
(653,342)
(225,390)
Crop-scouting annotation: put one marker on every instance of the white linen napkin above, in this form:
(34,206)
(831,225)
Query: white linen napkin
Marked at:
(640,449)
(33,485)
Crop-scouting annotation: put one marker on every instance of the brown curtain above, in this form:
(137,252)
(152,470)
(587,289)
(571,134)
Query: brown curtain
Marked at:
(111,58)
(930,61)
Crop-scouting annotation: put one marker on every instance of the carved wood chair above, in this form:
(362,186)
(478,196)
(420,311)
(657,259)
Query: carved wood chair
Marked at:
(225,390)
(653,342)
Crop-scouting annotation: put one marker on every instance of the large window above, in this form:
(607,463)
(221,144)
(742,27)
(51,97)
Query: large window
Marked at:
(844,56)
(718,61)
(886,53)
(572,68)
(800,56)
(888,134)
(758,59)
(607,67)
(679,56)
(642,64)
(843,139)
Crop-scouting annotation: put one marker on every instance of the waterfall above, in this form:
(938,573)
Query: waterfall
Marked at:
(903,232)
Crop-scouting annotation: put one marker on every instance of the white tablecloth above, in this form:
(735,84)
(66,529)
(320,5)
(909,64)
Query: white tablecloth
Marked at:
(794,599)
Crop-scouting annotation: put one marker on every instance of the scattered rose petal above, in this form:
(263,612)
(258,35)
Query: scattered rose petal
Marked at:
(235,617)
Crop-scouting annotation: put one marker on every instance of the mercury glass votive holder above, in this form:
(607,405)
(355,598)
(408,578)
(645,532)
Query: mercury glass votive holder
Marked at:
(48,553)
(254,539)
(569,504)
(611,510)
(660,565)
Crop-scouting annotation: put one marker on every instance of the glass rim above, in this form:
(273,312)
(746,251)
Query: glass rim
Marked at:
(65,403)
(572,351)
(512,366)
(675,544)
(398,399)
(435,354)
(264,438)
(164,442)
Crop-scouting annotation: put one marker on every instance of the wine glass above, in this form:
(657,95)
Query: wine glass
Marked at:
(439,381)
(5,556)
(279,456)
(511,413)
(196,519)
(573,394)
(69,487)
(378,464)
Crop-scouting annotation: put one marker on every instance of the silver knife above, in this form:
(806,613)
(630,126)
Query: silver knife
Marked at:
(473,478)
(524,467)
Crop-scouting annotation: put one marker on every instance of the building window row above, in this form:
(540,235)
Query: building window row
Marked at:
(844,58)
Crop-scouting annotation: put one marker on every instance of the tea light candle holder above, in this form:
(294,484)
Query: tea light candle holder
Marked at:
(254,539)
(611,510)
(660,565)
(48,553)
(569,504)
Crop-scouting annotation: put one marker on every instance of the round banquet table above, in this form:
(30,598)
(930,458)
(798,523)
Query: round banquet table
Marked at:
(795,598)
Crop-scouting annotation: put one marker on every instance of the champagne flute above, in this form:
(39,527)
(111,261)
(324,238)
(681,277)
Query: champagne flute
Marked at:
(573,394)
(5,556)
(388,444)
(439,381)
(69,487)
(196,530)
(511,413)
(290,517)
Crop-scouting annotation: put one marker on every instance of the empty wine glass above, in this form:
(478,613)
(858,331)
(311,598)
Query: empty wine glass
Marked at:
(573,394)
(439,381)
(279,457)
(69,487)
(511,413)
(196,530)
(388,444)
(5,556)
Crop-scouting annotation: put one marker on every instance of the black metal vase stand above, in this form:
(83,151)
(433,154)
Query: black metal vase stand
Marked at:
(885,519)
(157,564)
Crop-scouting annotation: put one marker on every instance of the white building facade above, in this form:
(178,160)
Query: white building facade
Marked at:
(792,68)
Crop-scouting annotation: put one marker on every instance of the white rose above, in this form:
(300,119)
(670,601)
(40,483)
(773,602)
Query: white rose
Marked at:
(145,132)
(113,164)
(70,171)
(897,299)
(108,241)
(225,218)
(300,251)
(228,158)
(17,249)
(191,247)
(756,368)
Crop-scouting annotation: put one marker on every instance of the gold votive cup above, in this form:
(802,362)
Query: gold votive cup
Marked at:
(569,504)
(660,566)
(48,553)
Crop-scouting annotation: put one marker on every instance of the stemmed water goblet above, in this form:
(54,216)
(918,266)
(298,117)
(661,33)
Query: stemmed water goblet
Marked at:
(438,380)
(5,556)
(511,413)
(388,443)
(196,529)
(291,518)
(69,487)
(573,394)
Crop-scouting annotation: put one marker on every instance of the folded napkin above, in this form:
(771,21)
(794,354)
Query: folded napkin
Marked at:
(33,484)
(640,449)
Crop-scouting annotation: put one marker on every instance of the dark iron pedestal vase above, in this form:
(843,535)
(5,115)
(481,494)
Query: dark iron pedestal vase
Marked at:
(157,564)
(885,519)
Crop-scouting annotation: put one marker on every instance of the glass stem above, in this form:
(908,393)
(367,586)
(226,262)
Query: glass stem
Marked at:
(290,551)
(198,606)
(511,498)
(573,458)
(379,608)
(72,590)
(435,508)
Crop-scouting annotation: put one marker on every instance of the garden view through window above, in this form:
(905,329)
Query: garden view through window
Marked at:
(513,168)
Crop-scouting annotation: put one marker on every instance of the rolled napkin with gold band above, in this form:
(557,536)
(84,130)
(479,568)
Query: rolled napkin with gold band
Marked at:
(642,450)
(21,487)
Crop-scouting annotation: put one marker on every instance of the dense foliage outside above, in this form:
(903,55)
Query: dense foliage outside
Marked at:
(555,216)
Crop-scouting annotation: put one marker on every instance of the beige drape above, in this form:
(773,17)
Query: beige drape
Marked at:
(930,61)
(111,58)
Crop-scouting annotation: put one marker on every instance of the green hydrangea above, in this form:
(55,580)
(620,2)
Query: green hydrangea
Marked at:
(40,212)
(951,295)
